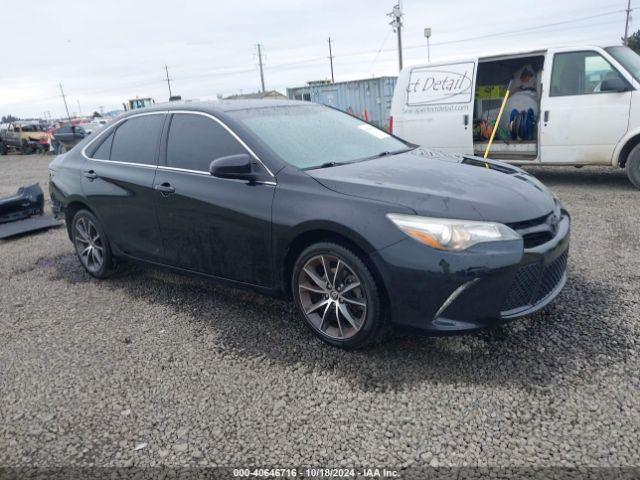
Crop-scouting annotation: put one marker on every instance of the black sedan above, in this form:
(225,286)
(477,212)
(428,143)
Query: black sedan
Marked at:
(359,228)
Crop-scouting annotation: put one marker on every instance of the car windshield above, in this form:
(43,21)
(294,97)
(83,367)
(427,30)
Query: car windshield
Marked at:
(628,58)
(312,136)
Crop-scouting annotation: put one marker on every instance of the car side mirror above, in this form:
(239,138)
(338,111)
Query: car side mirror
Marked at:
(238,167)
(614,85)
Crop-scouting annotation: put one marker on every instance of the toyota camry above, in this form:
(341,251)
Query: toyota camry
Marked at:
(360,229)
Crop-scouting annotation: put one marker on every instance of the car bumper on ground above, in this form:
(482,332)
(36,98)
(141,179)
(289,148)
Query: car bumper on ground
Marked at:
(490,284)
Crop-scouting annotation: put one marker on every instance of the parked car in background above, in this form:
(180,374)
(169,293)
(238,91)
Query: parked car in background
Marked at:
(3,146)
(567,106)
(359,228)
(25,137)
(67,136)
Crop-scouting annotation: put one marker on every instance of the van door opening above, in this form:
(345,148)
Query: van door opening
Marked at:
(517,135)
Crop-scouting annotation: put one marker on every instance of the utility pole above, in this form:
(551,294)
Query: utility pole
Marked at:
(166,69)
(331,61)
(261,69)
(396,23)
(626,25)
(64,99)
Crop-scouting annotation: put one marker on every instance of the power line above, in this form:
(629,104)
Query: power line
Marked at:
(521,30)
(287,65)
(489,35)
(381,47)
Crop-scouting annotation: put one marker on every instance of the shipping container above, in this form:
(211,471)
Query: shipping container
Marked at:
(369,99)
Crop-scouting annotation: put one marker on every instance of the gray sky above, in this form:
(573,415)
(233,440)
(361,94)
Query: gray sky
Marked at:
(106,52)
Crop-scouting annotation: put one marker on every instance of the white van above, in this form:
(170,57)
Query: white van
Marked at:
(567,106)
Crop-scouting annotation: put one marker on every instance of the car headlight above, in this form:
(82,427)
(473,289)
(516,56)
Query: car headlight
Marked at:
(448,234)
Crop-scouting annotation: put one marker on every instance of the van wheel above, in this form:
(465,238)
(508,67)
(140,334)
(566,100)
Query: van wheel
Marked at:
(633,166)
(337,297)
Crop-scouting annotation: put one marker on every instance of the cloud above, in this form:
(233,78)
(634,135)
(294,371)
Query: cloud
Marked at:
(104,53)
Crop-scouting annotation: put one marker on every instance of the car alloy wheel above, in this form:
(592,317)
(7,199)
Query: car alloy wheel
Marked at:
(89,244)
(332,297)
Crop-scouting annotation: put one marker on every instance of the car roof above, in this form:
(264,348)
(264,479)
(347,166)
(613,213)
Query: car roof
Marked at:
(220,106)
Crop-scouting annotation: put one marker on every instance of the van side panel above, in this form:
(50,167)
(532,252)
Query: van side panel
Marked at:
(433,105)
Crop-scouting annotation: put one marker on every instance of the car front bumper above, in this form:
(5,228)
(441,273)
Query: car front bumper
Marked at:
(452,292)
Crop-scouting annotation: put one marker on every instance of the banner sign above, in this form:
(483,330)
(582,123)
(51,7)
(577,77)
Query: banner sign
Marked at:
(441,84)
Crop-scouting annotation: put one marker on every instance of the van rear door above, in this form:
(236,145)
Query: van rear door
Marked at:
(585,108)
(433,105)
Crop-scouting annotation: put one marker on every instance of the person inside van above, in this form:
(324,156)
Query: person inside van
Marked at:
(524,79)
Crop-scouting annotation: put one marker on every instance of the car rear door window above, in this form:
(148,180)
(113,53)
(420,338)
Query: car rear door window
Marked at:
(196,140)
(136,140)
(103,151)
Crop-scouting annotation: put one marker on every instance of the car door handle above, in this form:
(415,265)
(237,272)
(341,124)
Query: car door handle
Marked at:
(546,116)
(165,189)
(90,174)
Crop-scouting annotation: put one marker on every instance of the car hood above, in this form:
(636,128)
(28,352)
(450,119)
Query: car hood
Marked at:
(443,185)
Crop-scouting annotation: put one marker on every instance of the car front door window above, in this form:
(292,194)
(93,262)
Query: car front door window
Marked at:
(196,140)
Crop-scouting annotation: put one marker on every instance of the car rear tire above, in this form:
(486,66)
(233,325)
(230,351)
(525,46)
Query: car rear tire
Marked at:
(337,296)
(91,244)
(633,166)
(3,149)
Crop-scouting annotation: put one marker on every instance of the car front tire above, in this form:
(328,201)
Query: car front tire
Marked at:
(633,166)
(337,296)
(91,244)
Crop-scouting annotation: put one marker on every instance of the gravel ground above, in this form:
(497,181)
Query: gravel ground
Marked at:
(199,374)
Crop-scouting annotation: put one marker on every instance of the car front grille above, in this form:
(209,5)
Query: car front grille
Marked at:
(533,283)
(532,240)
(536,231)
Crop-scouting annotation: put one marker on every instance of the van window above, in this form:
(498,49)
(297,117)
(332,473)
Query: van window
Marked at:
(579,73)
(195,141)
(136,140)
